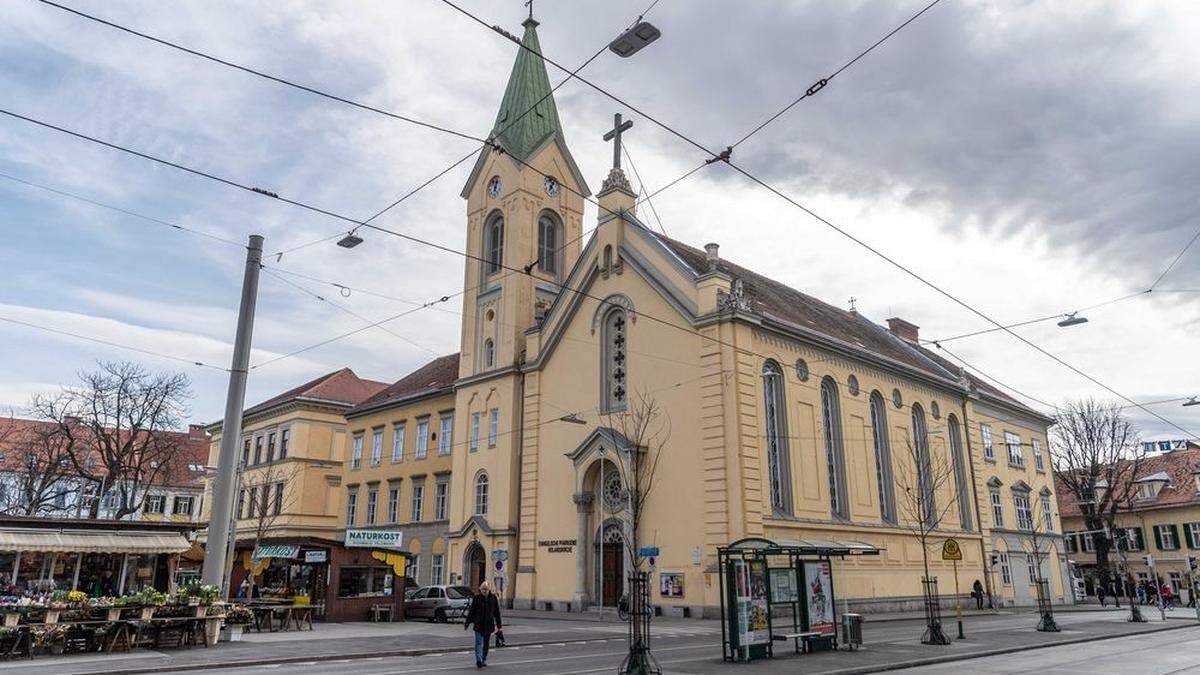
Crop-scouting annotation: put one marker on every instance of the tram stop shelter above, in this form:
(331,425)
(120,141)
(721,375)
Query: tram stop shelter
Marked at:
(779,591)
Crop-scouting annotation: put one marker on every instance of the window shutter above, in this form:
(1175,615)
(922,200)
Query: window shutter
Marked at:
(1157,538)
(1175,533)
(1187,535)
(1141,540)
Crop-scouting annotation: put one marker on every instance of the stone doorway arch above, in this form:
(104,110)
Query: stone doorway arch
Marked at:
(475,565)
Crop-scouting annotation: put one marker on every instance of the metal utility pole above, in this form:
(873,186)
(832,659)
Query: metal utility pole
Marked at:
(227,460)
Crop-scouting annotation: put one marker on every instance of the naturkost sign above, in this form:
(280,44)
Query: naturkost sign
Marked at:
(393,539)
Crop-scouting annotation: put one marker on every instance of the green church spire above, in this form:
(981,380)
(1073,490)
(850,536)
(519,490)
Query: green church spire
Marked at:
(518,131)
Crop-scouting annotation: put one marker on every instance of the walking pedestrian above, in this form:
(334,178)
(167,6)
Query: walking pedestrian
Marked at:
(1168,596)
(977,591)
(1102,593)
(484,615)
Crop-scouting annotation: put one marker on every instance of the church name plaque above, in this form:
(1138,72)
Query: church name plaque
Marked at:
(557,545)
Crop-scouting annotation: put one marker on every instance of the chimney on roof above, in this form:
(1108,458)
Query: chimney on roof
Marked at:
(710,254)
(903,329)
(196,430)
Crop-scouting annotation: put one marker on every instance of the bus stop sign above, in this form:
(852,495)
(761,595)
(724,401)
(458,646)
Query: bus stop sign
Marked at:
(950,550)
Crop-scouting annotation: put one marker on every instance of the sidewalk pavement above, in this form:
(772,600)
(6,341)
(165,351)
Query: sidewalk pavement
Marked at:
(890,642)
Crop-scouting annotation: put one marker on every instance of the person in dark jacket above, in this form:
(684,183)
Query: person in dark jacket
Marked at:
(977,592)
(484,615)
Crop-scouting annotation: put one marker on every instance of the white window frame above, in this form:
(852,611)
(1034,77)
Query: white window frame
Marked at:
(482,494)
(393,507)
(1039,463)
(422,450)
(474,431)
(1024,515)
(445,434)
(1163,531)
(159,500)
(1013,443)
(1005,571)
(997,508)
(372,505)
(183,499)
(1047,514)
(397,443)
(351,507)
(1195,529)
(441,499)
(493,426)
(437,569)
(285,438)
(356,450)
(377,446)
(417,500)
(1089,542)
(989,447)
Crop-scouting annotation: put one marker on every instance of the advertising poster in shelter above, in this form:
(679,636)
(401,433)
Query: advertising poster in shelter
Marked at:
(819,594)
(783,586)
(759,632)
(670,584)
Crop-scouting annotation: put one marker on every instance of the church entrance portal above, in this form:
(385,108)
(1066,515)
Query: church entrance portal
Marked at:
(612,564)
(476,566)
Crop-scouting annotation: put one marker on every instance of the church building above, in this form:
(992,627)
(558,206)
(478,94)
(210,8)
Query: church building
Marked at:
(618,389)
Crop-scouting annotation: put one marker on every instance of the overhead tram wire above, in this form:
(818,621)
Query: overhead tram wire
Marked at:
(445,298)
(351,312)
(642,188)
(1030,322)
(110,343)
(127,212)
(1172,265)
(725,157)
(259,73)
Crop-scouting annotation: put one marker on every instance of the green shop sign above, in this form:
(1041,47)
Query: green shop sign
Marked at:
(385,539)
(276,551)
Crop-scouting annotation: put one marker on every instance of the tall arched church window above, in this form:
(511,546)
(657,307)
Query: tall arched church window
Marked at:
(494,244)
(775,426)
(960,473)
(489,353)
(614,361)
(883,459)
(481,495)
(924,460)
(835,455)
(549,234)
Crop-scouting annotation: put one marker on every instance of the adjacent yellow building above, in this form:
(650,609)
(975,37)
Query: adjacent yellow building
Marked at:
(1161,526)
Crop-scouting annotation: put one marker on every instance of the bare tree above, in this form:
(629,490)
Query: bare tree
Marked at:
(1036,546)
(647,428)
(1097,455)
(928,493)
(268,494)
(38,476)
(115,426)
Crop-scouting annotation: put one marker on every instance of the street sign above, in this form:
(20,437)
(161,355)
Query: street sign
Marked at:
(381,539)
(499,565)
(647,551)
(950,550)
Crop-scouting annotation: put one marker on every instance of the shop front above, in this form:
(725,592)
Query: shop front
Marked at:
(368,571)
(101,558)
(295,570)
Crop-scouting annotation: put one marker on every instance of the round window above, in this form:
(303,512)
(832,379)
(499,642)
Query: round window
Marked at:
(493,187)
(852,385)
(897,399)
(613,495)
(801,370)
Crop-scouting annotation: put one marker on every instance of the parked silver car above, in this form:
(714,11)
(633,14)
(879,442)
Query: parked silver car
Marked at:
(438,603)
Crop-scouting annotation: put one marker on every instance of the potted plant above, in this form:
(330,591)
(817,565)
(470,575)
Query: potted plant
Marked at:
(237,617)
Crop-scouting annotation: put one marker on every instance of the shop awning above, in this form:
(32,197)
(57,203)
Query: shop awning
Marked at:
(92,542)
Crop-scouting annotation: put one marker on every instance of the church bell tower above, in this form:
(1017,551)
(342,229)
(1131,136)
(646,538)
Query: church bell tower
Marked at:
(524,200)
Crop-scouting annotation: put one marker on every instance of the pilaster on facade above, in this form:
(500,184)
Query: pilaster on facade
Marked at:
(747,385)
(713,392)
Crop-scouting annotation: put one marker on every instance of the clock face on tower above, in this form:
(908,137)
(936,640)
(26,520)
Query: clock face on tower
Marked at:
(551,185)
(493,187)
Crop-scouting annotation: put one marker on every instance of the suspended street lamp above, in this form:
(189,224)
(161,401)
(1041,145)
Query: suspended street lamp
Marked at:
(1191,401)
(633,40)
(1071,320)
(350,240)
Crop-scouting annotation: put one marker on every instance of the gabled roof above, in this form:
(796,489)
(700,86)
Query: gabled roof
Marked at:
(1175,467)
(981,386)
(777,300)
(435,377)
(340,387)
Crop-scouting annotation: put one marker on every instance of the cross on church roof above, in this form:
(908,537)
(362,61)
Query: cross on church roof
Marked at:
(615,136)
(529,4)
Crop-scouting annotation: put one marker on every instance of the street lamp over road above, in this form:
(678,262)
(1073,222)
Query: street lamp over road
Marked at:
(635,39)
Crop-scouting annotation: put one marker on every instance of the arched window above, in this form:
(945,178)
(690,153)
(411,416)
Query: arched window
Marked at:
(548,242)
(606,261)
(924,461)
(960,473)
(835,456)
(481,495)
(493,244)
(489,353)
(775,426)
(614,365)
(883,459)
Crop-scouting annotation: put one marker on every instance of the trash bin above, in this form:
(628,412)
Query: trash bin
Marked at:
(852,630)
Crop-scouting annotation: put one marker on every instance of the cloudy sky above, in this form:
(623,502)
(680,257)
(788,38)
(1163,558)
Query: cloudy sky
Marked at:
(1032,158)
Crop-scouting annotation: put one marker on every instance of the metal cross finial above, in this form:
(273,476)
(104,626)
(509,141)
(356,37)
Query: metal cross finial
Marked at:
(615,136)
(529,4)
(852,301)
